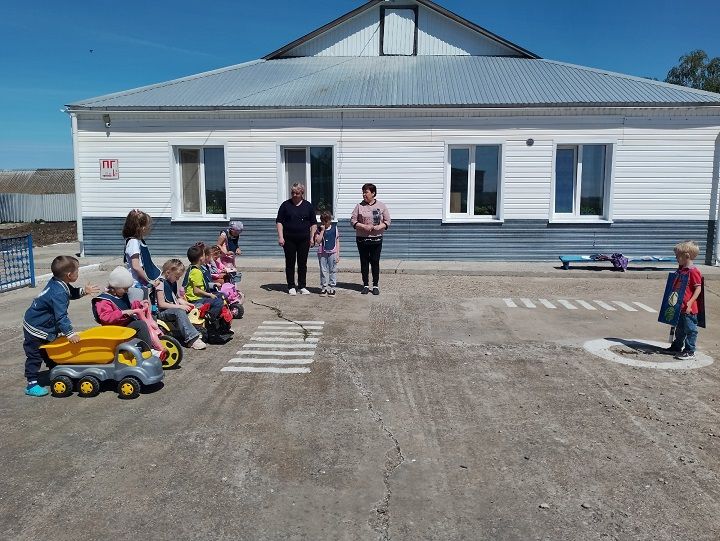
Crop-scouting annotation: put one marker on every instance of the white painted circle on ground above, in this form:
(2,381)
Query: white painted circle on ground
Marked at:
(602,348)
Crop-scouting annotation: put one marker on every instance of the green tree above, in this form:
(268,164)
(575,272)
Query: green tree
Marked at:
(696,71)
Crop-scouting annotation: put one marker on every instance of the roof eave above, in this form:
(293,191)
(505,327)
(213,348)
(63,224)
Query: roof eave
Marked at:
(550,105)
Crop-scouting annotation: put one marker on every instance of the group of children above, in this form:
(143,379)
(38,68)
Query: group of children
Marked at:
(208,283)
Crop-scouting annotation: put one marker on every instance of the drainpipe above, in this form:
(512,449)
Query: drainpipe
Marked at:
(78,194)
(716,202)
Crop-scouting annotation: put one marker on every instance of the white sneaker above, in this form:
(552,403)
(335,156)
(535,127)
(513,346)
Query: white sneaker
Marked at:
(292,291)
(198,344)
(156,353)
(304,291)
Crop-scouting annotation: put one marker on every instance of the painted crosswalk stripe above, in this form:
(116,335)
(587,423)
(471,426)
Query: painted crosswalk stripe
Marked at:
(644,307)
(265,369)
(567,304)
(272,352)
(296,328)
(282,340)
(625,306)
(585,305)
(528,303)
(285,333)
(279,346)
(510,303)
(547,304)
(605,306)
(295,323)
(270,360)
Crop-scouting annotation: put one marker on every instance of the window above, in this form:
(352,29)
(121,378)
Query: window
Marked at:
(474,181)
(316,164)
(202,180)
(398,31)
(581,173)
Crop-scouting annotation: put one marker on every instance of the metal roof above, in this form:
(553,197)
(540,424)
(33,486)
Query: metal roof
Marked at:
(422,81)
(37,181)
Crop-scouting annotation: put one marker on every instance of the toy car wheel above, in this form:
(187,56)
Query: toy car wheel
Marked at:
(128,388)
(174,351)
(61,386)
(89,386)
(237,311)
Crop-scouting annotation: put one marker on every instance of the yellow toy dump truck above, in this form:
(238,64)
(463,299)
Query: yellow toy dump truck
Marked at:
(102,354)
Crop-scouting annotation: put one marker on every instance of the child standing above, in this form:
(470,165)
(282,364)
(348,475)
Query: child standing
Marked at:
(137,254)
(47,317)
(196,283)
(115,308)
(687,329)
(328,240)
(172,306)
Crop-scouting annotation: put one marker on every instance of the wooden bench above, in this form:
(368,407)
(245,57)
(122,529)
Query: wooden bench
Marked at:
(567,259)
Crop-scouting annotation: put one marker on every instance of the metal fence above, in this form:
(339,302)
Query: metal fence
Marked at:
(17,268)
(22,207)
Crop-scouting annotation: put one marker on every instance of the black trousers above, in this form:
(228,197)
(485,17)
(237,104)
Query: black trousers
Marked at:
(141,331)
(369,257)
(296,248)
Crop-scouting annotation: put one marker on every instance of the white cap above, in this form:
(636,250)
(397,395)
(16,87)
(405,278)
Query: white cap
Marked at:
(120,277)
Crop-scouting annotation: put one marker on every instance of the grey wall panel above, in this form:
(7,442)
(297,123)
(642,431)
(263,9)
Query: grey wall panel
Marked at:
(20,207)
(516,240)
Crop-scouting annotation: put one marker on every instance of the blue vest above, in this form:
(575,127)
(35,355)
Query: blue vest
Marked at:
(231,243)
(330,239)
(169,290)
(151,270)
(122,303)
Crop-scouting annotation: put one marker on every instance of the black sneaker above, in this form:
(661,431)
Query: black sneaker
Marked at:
(671,351)
(331,292)
(686,356)
(376,290)
(365,290)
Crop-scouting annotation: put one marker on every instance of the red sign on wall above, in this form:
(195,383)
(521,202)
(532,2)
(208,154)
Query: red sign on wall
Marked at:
(109,170)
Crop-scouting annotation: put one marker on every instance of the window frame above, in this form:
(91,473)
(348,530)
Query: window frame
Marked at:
(455,217)
(283,182)
(178,214)
(609,181)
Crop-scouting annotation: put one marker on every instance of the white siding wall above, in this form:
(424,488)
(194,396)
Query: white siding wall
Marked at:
(438,35)
(358,36)
(663,167)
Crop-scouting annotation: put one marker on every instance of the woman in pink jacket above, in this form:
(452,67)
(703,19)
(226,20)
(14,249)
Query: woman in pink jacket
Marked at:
(370,219)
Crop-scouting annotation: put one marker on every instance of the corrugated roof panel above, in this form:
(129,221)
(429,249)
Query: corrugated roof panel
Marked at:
(429,81)
(38,181)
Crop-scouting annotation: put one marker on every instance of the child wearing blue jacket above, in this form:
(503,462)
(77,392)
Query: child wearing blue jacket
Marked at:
(47,317)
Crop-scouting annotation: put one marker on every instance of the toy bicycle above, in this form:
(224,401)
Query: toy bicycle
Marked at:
(106,353)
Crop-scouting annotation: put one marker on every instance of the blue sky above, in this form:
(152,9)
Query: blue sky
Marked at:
(55,53)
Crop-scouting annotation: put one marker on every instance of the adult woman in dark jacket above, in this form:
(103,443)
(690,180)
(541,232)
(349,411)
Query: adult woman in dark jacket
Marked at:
(296,224)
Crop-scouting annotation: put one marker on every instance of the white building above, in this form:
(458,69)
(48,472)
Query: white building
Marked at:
(481,149)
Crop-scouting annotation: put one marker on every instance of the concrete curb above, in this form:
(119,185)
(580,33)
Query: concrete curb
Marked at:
(659,274)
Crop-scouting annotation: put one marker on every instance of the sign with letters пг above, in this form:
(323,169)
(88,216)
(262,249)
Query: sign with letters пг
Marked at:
(109,169)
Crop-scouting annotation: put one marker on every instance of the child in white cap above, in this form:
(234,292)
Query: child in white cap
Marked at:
(228,241)
(114,308)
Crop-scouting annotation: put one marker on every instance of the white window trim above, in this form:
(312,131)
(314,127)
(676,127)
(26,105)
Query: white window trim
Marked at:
(178,215)
(610,152)
(454,218)
(283,188)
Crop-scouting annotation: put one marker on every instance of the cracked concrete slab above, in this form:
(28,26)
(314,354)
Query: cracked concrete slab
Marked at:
(457,416)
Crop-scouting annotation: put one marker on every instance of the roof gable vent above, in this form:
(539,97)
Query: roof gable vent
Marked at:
(399,30)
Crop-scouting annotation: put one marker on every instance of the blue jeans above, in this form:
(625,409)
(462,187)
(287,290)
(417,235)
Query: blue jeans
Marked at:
(34,356)
(686,333)
(328,270)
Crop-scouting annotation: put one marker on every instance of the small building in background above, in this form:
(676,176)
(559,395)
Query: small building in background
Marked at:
(37,194)
(481,149)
